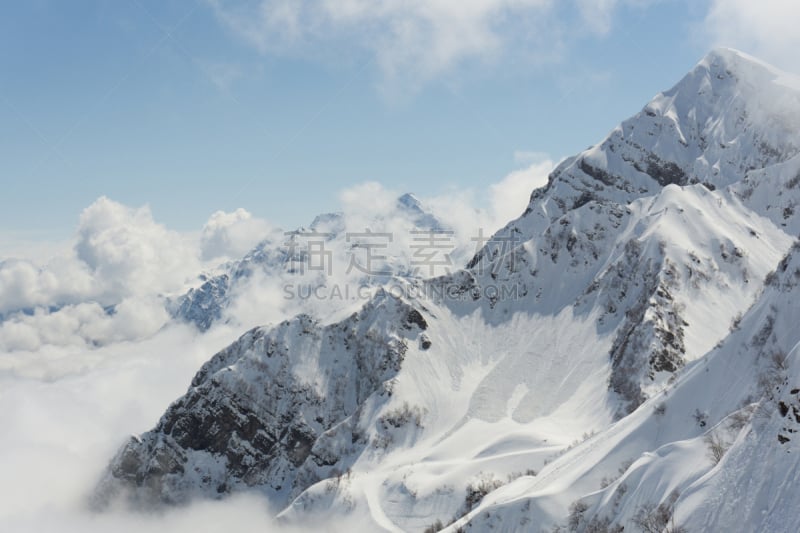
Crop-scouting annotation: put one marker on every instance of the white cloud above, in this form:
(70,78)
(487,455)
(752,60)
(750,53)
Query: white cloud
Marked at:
(528,157)
(66,411)
(412,42)
(466,211)
(62,328)
(107,287)
(510,197)
(222,75)
(243,513)
(25,285)
(84,324)
(265,298)
(597,14)
(368,199)
(766,29)
(129,253)
(231,235)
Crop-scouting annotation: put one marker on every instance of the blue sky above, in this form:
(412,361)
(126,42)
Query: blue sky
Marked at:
(276,106)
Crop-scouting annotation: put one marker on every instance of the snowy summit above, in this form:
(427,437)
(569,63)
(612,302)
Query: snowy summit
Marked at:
(628,360)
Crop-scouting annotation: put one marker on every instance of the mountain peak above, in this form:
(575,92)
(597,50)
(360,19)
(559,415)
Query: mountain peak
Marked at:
(329,221)
(728,67)
(630,276)
(409,201)
(724,53)
(419,214)
(721,65)
(735,61)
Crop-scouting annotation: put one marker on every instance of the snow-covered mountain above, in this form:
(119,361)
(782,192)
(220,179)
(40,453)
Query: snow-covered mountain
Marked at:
(624,354)
(333,239)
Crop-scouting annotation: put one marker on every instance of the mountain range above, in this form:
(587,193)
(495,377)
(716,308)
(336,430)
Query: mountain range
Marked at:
(623,355)
(317,257)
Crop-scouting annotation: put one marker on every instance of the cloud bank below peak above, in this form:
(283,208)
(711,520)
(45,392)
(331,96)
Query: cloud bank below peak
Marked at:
(109,285)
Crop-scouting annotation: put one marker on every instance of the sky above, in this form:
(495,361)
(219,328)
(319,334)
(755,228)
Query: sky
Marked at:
(276,106)
(142,142)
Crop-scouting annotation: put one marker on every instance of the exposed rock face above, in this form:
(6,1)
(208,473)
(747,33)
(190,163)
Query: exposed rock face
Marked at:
(650,339)
(202,306)
(257,413)
(717,128)
(636,262)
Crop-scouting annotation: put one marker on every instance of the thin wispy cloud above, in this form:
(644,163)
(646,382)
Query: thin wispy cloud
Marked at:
(222,75)
(413,43)
(766,29)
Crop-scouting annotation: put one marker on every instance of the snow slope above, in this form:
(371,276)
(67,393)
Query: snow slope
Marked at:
(576,373)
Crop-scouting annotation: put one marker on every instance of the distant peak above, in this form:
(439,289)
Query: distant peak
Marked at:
(418,212)
(329,220)
(410,201)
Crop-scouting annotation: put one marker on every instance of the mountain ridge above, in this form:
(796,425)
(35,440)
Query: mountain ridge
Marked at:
(282,256)
(631,271)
